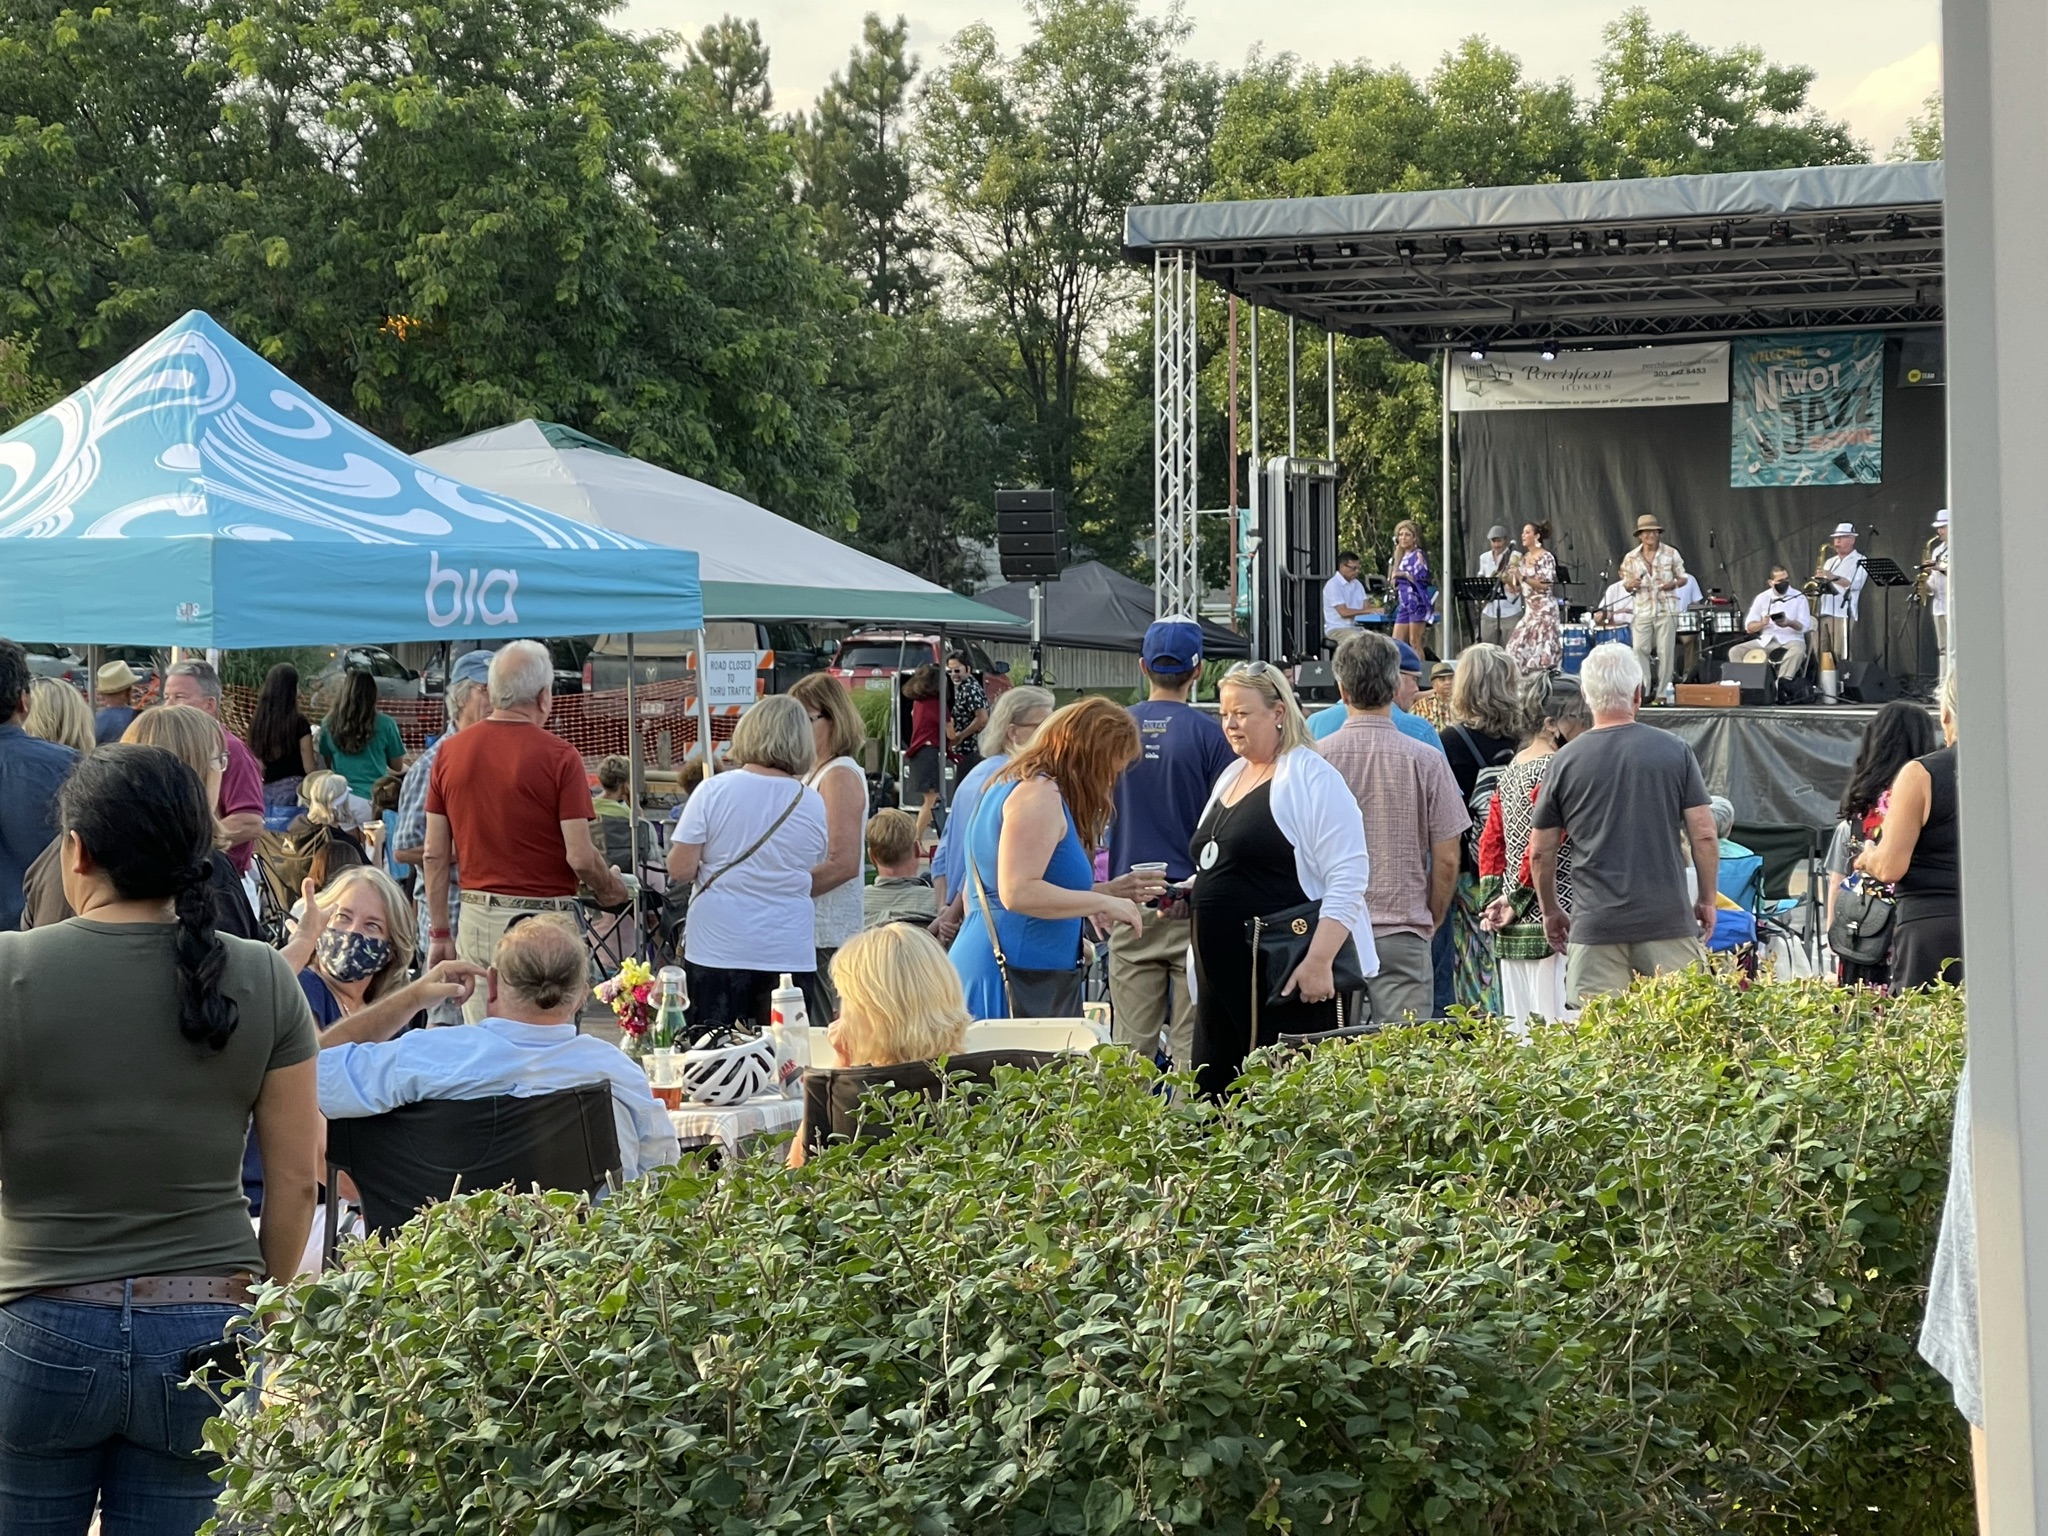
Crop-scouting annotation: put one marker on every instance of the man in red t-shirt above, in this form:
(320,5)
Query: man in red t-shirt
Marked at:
(511,803)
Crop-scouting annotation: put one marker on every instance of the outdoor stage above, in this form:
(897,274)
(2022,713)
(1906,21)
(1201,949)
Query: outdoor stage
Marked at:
(1779,765)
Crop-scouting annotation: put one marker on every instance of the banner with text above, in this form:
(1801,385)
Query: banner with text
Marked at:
(1574,381)
(1808,410)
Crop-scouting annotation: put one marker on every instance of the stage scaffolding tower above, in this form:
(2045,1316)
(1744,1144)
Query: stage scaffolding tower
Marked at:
(1176,580)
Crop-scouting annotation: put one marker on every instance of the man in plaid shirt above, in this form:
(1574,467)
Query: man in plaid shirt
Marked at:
(1653,572)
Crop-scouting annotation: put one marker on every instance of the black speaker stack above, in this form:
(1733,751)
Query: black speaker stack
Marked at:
(1031,534)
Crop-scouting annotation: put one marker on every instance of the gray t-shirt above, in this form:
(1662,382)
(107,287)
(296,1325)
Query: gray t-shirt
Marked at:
(1620,795)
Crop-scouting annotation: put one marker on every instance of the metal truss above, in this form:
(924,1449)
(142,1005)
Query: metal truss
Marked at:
(1176,581)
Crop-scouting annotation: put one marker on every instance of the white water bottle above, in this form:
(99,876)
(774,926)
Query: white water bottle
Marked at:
(1830,679)
(789,1032)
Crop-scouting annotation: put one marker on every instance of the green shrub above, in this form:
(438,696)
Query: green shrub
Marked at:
(1660,1272)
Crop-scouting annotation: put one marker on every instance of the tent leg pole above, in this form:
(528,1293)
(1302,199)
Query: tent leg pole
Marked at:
(1038,634)
(1445,644)
(704,703)
(634,785)
(1255,498)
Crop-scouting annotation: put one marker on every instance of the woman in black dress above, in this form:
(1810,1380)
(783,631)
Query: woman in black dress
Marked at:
(1920,854)
(1281,829)
(1900,733)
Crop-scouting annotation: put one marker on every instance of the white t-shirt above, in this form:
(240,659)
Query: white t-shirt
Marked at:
(1619,604)
(1349,593)
(758,916)
(841,910)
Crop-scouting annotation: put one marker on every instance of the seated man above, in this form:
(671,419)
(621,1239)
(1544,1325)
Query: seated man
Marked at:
(1741,875)
(899,891)
(525,1046)
(1779,622)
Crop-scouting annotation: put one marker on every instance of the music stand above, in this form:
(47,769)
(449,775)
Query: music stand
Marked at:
(1479,591)
(1883,572)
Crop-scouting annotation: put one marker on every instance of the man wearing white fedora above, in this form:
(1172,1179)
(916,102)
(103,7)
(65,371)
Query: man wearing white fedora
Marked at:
(1841,590)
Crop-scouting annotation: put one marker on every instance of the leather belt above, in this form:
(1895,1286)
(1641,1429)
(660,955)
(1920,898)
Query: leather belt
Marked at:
(519,903)
(157,1290)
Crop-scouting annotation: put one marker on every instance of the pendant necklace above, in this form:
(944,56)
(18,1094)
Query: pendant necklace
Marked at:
(1210,851)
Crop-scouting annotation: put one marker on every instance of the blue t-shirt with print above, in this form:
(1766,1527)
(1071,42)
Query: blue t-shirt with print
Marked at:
(1159,798)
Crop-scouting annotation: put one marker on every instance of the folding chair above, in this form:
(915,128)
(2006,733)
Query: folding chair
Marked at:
(407,1158)
(1785,848)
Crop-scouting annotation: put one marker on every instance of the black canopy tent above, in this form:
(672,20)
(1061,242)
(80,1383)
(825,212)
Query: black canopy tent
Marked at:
(1090,608)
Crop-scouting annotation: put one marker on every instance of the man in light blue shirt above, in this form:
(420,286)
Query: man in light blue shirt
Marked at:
(1325,723)
(527,1045)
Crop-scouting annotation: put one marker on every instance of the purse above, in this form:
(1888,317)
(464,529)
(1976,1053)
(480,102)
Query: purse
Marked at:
(1862,929)
(1031,994)
(1280,942)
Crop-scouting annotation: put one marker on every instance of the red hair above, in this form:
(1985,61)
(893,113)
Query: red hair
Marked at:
(1082,749)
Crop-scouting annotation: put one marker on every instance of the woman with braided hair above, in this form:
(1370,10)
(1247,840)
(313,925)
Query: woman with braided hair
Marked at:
(136,1044)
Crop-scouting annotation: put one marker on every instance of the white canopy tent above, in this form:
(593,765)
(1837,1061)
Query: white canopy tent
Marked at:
(755,564)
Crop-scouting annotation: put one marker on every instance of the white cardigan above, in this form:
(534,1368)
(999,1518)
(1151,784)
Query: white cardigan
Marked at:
(1317,813)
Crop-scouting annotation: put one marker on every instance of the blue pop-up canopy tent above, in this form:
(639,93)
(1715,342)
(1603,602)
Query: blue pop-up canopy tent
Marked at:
(195,496)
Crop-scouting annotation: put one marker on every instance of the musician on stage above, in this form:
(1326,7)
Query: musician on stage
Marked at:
(1498,618)
(1779,621)
(1653,572)
(1617,607)
(1841,578)
(1344,600)
(1935,566)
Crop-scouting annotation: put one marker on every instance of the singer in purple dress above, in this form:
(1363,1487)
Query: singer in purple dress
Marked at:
(1414,604)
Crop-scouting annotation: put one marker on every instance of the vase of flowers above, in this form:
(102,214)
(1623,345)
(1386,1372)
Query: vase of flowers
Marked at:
(630,996)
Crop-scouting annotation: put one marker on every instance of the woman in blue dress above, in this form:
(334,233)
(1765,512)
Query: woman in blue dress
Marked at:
(1030,868)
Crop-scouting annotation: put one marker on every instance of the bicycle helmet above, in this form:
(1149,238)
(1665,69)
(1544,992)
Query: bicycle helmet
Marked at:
(727,1066)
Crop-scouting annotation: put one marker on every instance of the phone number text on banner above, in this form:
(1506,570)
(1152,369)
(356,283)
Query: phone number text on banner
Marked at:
(1807,410)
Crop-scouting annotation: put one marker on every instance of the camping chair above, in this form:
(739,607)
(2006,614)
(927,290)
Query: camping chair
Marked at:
(407,1158)
(833,1096)
(1741,876)
(1785,848)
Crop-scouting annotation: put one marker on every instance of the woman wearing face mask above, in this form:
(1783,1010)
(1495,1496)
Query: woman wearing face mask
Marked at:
(353,951)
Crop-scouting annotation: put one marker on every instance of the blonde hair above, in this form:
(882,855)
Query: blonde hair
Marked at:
(1486,693)
(892,836)
(399,927)
(189,734)
(823,692)
(775,733)
(1948,697)
(1270,684)
(325,797)
(899,998)
(994,740)
(58,712)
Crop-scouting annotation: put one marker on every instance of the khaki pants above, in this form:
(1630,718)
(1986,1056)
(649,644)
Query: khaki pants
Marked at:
(1405,988)
(1790,660)
(485,917)
(1656,647)
(1834,632)
(1148,975)
(1591,970)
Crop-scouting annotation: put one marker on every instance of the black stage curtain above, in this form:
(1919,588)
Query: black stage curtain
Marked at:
(1780,765)
(1592,473)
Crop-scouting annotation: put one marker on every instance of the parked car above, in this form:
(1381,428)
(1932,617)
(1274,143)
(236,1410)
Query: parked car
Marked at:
(59,661)
(869,658)
(395,680)
(784,653)
(568,653)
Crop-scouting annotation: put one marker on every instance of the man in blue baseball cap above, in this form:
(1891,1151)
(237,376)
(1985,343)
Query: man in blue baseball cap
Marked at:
(1325,723)
(1159,798)
(468,699)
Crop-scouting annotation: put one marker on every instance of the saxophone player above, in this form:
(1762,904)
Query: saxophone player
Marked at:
(1934,572)
(1840,580)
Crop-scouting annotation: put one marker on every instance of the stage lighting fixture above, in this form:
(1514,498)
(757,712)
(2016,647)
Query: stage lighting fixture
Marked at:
(1405,249)
(1347,250)
(1666,238)
(1717,237)
(1616,242)
(1453,248)
(1548,352)
(1581,242)
(1838,233)
(1898,227)
(1539,246)
(1477,352)
(1508,245)
(1781,232)
(1306,256)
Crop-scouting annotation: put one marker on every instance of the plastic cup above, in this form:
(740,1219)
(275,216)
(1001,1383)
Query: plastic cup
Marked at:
(665,1076)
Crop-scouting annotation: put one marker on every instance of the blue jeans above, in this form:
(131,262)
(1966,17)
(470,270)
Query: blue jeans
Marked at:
(93,1409)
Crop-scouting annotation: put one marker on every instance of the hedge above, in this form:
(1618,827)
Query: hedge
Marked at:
(1659,1272)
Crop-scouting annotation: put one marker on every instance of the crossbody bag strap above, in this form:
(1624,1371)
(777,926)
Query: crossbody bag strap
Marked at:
(989,920)
(758,844)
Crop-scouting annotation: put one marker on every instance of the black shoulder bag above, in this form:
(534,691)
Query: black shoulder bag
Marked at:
(1862,929)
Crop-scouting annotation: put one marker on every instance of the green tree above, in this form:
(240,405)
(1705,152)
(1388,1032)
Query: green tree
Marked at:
(23,391)
(1032,159)
(854,155)
(1922,138)
(1669,106)
(730,62)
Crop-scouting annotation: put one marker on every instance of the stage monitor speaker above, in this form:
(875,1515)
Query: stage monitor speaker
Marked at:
(1754,677)
(1031,534)
(1315,682)
(1867,682)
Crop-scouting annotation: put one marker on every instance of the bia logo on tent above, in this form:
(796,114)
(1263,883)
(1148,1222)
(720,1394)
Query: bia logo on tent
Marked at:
(470,601)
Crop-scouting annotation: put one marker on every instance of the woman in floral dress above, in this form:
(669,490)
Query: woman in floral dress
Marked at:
(1414,587)
(1537,645)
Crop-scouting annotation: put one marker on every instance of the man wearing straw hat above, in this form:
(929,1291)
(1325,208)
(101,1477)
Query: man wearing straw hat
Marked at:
(1652,573)
(114,684)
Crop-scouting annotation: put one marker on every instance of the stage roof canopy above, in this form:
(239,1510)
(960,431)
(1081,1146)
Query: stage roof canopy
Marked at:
(1819,248)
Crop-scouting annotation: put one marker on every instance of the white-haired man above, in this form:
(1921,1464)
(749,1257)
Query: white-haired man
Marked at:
(527,1045)
(510,803)
(1624,793)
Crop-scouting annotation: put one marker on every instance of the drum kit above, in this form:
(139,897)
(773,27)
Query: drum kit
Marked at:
(1703,631)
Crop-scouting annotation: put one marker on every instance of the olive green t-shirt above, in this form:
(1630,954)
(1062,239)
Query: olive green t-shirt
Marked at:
(121,1140)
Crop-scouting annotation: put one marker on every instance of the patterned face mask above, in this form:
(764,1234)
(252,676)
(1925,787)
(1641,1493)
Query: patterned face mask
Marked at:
(351,957)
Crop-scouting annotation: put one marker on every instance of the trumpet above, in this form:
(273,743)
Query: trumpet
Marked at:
(1819,582)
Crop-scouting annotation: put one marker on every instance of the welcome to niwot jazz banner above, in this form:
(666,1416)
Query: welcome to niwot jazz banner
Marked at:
(1695,374)
(1808,410)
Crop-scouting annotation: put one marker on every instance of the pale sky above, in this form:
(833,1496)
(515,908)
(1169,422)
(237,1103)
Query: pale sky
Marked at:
(1876,59)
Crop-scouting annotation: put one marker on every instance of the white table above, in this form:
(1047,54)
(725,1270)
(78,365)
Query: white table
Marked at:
(698,1125)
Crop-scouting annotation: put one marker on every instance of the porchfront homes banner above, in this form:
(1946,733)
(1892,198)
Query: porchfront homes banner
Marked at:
(1696,374)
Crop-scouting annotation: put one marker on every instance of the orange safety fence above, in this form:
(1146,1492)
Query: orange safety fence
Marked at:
(595,724)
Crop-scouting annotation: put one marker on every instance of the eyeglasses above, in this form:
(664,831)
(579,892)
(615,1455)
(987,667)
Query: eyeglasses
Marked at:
(221,758)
